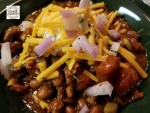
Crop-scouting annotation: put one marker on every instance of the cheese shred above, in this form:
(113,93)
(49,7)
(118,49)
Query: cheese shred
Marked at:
(90,75)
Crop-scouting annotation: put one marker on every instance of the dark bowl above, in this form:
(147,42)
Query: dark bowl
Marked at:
(10,102)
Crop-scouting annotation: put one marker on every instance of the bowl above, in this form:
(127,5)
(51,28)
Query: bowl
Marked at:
(138,19)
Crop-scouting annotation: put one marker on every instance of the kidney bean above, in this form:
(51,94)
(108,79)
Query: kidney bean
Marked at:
(107,69)
(127,81)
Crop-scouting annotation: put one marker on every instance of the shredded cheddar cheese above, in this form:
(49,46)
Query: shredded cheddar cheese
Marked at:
(113,16)
(42,66)
(98,5)
(90,75)
(23,55)
(11,81)
(71,64)
(50,23)
(52,68)
(54,74)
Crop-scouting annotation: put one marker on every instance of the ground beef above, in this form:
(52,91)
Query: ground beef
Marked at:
(12,34)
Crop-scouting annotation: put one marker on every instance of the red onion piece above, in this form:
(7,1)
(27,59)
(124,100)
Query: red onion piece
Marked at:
(101,21)
(115,35)
(114,48)
(42,47)
(103,88)
(84,4)
(82,43)
(24,25)
(6,60)
(85,109)
(70,21)
(76,45)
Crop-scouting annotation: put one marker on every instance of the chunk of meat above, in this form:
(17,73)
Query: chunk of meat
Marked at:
(70,91)
(136,45)
(82,81)
(127,81)
(81,103)
(107,69)
(31,18)
(12,34)
(23,36)
(20,88)
(55,106)
(16,47)
(97,109)
(77,68)
(132,34)
(133,38)
(61,92)
(129,97)
(92,100)
(68,75)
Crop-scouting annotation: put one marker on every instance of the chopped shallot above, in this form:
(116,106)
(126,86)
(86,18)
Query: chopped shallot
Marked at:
(103,88)
(114,48)
(115,35)
(82,43)
(24,25)
(84,4)
(101,21)
(42,47)
(6,60)
(70,21)
(85,109)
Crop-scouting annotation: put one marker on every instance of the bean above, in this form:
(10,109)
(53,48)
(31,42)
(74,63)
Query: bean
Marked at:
(56,106)
(70,109)
(44,92)
(34,84)
(59,80)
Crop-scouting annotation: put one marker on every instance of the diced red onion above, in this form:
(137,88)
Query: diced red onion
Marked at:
(70,21)
(24,25)
(84,4)
(42,47)
(76,44)
(85,109)
(103,88)
(82,43)
(101,21)
(114,48)
(115,35)
(6,60)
